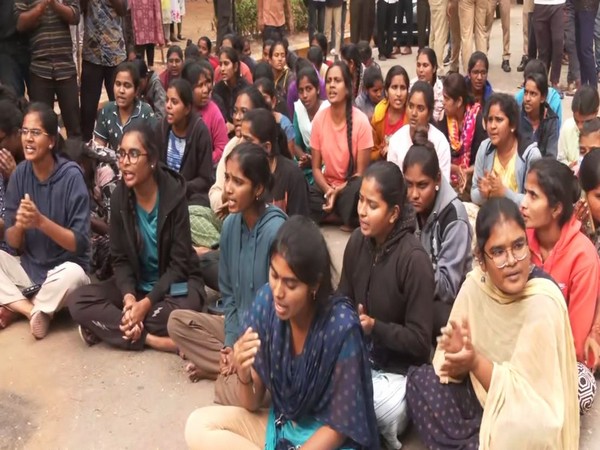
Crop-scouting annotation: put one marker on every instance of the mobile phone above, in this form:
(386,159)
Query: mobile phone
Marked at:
(30,291)
(179,289)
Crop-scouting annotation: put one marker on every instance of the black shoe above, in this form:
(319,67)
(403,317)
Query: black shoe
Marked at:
(524,61)
(506,65)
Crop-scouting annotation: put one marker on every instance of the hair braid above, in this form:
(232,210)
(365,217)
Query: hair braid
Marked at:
(358,70)
(349,137)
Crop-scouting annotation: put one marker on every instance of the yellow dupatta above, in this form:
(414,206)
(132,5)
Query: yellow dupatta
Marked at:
(532,400)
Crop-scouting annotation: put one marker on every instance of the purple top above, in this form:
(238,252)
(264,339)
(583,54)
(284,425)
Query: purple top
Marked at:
(293,94)
(212,117)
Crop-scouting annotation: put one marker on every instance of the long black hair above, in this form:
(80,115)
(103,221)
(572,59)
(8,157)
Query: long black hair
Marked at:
(494,211)
(350,52)
(300,243)
(349,102)
(254,163)
(266,129)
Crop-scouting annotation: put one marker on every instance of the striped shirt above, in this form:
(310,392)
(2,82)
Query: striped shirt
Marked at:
(50,41)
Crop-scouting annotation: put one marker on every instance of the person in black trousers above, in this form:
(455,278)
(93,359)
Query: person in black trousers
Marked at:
(585,17)
(156,268)
(386,18)
(423,22)
(362,20)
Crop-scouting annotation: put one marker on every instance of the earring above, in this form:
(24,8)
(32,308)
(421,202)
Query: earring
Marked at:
(152,166)
(314,295)
(437,188)
(483,278)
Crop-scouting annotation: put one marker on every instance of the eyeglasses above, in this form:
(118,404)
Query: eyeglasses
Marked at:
(499,256)
(478,73)
(35,132)
(133,155)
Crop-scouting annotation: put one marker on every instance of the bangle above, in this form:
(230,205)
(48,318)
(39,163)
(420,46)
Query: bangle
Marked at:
(242,382)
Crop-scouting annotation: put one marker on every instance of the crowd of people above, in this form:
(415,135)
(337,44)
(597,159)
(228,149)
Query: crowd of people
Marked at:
(468,299)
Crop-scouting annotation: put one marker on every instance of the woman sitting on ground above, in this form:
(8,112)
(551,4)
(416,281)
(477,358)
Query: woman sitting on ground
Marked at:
(305,110)
(231,84)
(560,248)
(478,84)
(151,89)
(351,56)
(442,225)
(174,66)
(372,92)
(115,118)
(292,97)
(420,110)
(585,106)
(283,77)
(205,47)
(290,189)
(47,219)
(154,263)
(297,341)
(247,100)
(553,98)
(245,71)
(391,113)
(503,374)
(341,140)
(463,127)
(267,89)
(589,178)
(200,76)
(538,122)
(186,148)
(504,159)
(427,66)
(388,275)
(207,340)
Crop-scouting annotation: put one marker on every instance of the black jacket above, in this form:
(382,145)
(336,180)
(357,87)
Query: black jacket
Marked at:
(395,284)
(177,260)
(196,162)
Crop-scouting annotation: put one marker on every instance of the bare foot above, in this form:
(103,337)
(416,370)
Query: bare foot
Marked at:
(193,373)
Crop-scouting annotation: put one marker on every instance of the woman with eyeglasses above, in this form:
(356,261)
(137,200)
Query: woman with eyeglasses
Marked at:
(155,266)
(478,84)
(116,117)
(503,374)
(560,248)
(51,234)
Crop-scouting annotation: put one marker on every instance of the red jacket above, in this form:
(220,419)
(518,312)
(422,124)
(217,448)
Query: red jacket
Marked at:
(574,264)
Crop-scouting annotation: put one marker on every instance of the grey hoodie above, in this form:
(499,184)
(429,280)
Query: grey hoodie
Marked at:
(446,236)
(62,198)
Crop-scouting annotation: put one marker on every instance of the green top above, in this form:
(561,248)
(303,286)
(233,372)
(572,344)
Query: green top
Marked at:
(148,226)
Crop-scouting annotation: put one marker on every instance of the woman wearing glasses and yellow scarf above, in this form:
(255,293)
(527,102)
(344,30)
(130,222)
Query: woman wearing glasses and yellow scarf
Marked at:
(503,375)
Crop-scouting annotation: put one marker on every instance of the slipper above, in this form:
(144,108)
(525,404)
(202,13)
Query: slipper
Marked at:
(39,324)
(6,317)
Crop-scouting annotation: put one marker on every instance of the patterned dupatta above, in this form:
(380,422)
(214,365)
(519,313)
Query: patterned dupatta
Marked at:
(329,382)
(461,140)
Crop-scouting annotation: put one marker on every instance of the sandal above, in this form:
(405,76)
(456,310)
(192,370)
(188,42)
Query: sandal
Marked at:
(6,317)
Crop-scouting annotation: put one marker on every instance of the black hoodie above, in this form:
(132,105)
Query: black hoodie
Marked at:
(196,162)
(177,260)
(395,284)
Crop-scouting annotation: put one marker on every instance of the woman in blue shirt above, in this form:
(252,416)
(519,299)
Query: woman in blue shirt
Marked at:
(207,340)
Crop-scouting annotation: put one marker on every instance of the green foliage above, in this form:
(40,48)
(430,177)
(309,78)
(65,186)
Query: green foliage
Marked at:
(247,22)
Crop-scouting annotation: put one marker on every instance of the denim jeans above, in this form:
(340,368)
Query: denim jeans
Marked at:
(584,25)
(571,47)
(316,18)
(597,40)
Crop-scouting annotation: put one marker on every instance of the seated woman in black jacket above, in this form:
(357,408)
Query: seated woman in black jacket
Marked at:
(388,274)
(156,268)
(186,148)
